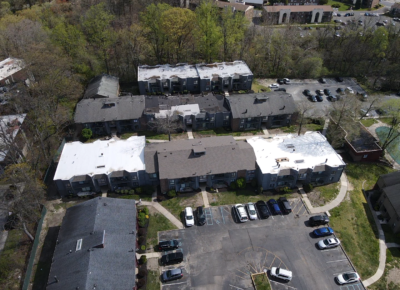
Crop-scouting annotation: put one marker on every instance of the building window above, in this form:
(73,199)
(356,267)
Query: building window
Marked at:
(7,82)
(195,82)
(226,117)
(172,182)
(365,156)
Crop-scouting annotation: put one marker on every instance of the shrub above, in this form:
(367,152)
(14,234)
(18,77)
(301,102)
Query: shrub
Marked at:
(147,189)
(241,182)
(141,283)
(143,259)
(142,273)
(143,247)
(142,241)
(86,133)
(171,193)
(145,210)
(233,185)
(138,190)
(336,5)
(131,192)
(254,183)
(286,189)
(308,187)
(260,189)
(141,232)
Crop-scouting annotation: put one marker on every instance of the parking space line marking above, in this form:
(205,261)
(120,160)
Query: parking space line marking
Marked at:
(337,261)
(297,203)
(208,213)
(272,262)
(300,208)
(222,214)
(280,264)
(283,284)
(173,284)
(265,259)
(243,272)
(255,270)
(329,250)
(236,287)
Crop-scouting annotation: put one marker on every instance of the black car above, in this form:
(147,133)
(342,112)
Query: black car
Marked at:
(307,93)
(285,205)
(168,245)
(322,80)
(280,81)
(332,98)
(172,258)
(327,92)
(313,98)
(338,15)
(172,274)
(280,90)
(318,220)
(340,91)
(201,217)
(319,98)
(263,210)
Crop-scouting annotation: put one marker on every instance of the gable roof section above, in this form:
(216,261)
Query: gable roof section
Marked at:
(389,179)
(393,194)
(395,6)
(258,105)
(176,159)
(106,259)
(103,85)
(237,6)
(103,110)
(101,157)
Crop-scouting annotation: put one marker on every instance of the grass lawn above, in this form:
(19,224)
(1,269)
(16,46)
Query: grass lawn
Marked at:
(224,132)
(386,120)
(392,264)
(261,282)
(306,127)
(176,205)
(394,147)
(343,6)
(256,87)
(353,221)
(12,259)
(153,280)
(329,192)
(157,223)
(368,122)
(127,135)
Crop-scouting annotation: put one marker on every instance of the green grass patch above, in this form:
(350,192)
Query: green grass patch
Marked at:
(256,87)
(225,132)
(261,282)
(127,135)
(329,192)
(158,136)
(386,120)
(392,261)
(144,197)
(343,6)
(157,223)
(394,148)
(353,222)
(153,280)
(368,122)
(176,205)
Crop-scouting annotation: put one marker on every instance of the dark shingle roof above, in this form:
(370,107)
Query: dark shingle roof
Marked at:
(258,105)
(104,85)
(393,194)
(101,110)
(364,141)
(390,178)
(106,258)
(176,159)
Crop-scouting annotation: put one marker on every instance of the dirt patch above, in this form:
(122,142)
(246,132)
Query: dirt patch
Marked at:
(194,200)
(394,276)
(152,210)
(152,264)
(316,199)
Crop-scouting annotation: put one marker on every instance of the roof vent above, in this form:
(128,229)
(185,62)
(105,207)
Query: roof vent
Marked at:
(299,161)
(101,166)
(78,245)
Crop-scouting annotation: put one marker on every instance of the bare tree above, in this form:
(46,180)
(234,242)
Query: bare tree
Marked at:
(305,111)
(167,122)
(392,108)
(373,102)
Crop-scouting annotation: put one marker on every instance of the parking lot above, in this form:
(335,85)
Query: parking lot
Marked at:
(223,253)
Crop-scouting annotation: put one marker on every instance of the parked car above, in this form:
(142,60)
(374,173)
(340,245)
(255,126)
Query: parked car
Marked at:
(273,86)
(312,98)
(332,98)
(241,213)
(338,27)
(319,98)
(189,218)
(364,113)
(322,80)
(366,14)
(381,111)
(281,273)
(201,217)
(349,90)
(328,243)
(318,220)
(339,15)
(172,274)
(307,93)
(380,24)
(280,81)
(285,205)
(320,92)
(280,90)
(337,34)
(286,81)
(168,245)
(262,208)
(349,277)
(172,258)
(364,96)
(339,79)
(251,210)
(327,92)
(340,91)
(274,206)
(323,232)
(338,21)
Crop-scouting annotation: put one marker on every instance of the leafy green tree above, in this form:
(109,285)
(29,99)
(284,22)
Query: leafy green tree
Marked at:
(358,4)
(97,27)
(310,67)
(233,28)
(208,32)
(323,2)
(69,38)
(152,22)
(86,133)
(177,25)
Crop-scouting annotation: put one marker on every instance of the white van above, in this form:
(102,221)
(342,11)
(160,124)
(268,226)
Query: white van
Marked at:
(241,212)
(281,273)
(189,218)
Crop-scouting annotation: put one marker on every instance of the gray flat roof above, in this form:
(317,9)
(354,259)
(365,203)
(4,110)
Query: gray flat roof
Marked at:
(109,109)
(96,246)
(103,85)
(262,104)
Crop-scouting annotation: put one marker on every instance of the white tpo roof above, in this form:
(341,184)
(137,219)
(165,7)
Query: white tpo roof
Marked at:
(182,110)
(10,66)
(302,152)
(166,71)
(101,157)
(223,69)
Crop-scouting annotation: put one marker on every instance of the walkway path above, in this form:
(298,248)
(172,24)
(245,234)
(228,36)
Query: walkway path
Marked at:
(190,133)
(165,212)
(3,239)
(149,255)
(327,120)
(264,128)
(205,197)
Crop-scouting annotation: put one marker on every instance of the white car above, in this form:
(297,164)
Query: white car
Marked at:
(251,210)
(272,86)
(241,213)
(364,113)
(281,273)
(189,218)
(349,90)
(328,243)
(349,277)
(286,81)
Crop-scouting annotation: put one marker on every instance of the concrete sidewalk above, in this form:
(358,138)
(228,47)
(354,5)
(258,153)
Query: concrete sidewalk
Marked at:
(164,212)
(205,197)
(190,133)
(149,255)
(3,239)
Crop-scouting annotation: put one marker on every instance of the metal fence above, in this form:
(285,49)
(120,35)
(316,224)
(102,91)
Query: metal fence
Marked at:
(28,272)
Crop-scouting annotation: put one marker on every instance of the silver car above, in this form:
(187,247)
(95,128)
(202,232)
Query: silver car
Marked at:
(251,210)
